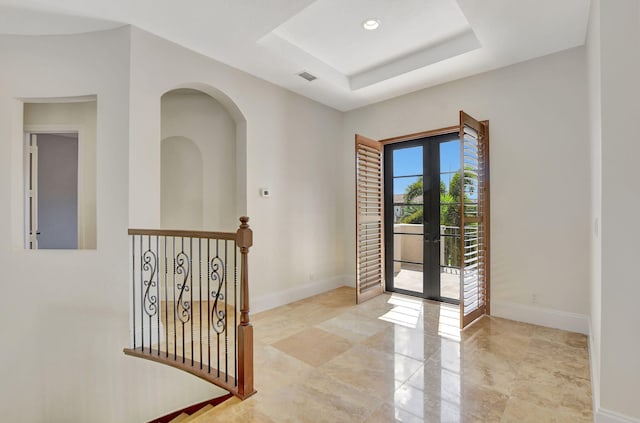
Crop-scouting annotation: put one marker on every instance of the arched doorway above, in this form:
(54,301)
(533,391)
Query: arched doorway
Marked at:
(200,157)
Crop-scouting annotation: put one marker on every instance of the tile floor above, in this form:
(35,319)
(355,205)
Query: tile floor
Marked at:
(396,358)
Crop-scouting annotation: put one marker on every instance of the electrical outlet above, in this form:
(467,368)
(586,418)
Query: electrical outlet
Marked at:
(534,298)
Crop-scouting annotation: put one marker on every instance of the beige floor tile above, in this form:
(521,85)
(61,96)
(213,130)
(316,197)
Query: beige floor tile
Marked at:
(497,375)
(324,359)
(375,307)
(520,411)
(389,414)
(274,368)
(401,340)
(575,340)
(275,328)
(314,346)
(442,411)
(576,397)
(543,388)
(354,326)
(321,399)
(374,372)
(476,400)
(551,356)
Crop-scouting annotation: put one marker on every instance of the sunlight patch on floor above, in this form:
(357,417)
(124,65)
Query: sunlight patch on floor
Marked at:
(406,311)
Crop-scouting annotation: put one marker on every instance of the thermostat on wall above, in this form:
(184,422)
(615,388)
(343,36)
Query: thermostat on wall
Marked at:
(265,192)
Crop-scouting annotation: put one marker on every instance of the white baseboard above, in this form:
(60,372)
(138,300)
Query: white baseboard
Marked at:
(564,320)
(594,372)
(602,415)
(606,416)
(277,299)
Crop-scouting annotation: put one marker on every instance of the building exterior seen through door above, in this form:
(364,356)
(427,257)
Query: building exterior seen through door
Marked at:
(422,217)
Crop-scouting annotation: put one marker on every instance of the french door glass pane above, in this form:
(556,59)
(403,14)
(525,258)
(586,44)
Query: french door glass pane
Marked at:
(407,189)
(407,161)
(408,229)
(408,276)
(450,183)
(450,156)
(407,215)
(407,246)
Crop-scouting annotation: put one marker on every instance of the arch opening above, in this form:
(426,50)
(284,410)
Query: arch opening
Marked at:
(202,161)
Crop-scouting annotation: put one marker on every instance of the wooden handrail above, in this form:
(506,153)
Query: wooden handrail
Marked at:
(231,236)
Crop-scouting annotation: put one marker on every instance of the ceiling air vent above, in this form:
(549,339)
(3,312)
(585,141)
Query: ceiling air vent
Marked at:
(307,76)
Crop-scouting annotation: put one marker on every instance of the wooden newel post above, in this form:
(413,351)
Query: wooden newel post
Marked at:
(244,238)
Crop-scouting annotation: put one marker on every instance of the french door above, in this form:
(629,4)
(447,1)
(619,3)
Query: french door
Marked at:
(422,216)
(422,219)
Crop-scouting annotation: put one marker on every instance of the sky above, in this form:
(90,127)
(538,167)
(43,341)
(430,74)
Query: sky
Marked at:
(408,161)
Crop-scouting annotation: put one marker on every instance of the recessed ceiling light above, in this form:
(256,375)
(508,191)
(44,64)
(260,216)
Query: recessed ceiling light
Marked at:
(371,24)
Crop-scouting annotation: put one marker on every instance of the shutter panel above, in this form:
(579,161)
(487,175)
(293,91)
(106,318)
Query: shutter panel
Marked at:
(369,219)
(474,219)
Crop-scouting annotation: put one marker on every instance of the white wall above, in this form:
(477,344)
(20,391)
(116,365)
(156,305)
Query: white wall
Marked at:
(66,313)
(204,121)
(80,116)
(620,285)
(292,147)
(540,195)
(67,362)
(181,181)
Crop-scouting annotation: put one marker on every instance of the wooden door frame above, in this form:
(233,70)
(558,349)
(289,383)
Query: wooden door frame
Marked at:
(423,134)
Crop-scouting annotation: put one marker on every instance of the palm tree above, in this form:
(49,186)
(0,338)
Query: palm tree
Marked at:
(449,211)
(414,214)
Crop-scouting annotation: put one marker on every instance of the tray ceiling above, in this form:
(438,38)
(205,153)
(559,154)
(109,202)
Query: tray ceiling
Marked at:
(419,43)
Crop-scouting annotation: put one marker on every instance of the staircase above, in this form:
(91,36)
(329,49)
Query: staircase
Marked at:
(184,417)
(197,413)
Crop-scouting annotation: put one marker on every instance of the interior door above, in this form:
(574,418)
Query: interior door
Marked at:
(369,219)
(52,191)
(32,190)
(474,219)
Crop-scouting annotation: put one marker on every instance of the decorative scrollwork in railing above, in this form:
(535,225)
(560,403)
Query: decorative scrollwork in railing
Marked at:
(183,269)
(218,313)
(175,277)
(149,263)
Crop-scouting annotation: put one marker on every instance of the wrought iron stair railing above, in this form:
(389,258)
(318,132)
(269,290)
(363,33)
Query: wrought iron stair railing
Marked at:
(190,303)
